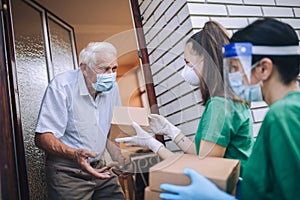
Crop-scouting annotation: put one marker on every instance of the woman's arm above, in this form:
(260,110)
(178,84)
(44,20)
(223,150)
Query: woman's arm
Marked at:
(211,149)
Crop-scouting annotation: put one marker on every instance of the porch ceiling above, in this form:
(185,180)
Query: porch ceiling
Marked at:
(98,20)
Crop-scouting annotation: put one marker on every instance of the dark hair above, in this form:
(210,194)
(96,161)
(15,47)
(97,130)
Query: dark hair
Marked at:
(271,32)
(208,42)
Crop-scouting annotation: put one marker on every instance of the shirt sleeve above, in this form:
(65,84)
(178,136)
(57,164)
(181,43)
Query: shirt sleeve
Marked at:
(53,113)
(213,126)
(283,150)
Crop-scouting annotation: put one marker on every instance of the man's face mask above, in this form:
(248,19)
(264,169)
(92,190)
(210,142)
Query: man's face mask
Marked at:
(238,67)
(105,82)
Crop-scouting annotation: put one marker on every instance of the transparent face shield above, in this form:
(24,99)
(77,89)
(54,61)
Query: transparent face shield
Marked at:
(238,68)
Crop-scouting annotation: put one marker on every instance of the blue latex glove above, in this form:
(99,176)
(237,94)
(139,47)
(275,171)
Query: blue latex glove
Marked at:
(239,188)
(199,189)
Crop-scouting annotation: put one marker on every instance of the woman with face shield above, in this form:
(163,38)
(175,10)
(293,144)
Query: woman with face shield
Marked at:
(273,169)
(225,128)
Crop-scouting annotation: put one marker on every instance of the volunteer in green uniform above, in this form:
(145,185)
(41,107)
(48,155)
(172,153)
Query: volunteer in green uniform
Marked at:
(230,129)
(273,169)
(225,128)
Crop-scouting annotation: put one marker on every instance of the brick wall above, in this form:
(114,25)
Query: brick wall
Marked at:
(167,25)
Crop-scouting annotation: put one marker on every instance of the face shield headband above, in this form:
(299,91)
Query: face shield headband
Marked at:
(238,65)
(238,56)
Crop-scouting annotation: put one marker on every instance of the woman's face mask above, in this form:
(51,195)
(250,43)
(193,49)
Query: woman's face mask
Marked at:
(246,92)
(105,82)
(190,76)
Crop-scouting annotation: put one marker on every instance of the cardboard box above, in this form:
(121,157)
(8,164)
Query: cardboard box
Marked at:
(223,172)
(151,195)
(122,120)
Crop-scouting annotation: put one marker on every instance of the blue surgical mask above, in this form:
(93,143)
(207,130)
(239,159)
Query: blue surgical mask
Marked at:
(246,92)
(105,82)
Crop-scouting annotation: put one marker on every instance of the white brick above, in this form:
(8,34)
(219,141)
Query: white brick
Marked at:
(172,146)
(258,104)
(175,37)
(231,23)
(162,35)
(185,115)
(179,86)
(226,1)
(153,44)
(195,1)
(252,19)
(180,89)
(288,2)
(151,8)
(165,45)
(174,9)
(157,53)
(159,89)
(295,23)
(256,128)
(183,14)
(168,58)
(144,5)
(297,12)
(171,26)
(207,9)
(140,2)
(163,7)
(178,48)
(161,22)
(189,127)
(179,37)
(149,23)
(259,114)
(185,28)
(277,12)
(166,96)
(157,66)
(244,11)
(180,103)
(259,2)
(198,21)
(175,82)
(177,63)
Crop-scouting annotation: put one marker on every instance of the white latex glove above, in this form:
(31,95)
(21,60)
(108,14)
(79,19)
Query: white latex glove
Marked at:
(161,126)
(142,139)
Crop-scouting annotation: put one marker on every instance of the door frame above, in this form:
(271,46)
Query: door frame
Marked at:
(14,182)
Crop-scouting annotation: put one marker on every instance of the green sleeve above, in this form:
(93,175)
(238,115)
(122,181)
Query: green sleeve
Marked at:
(213,126)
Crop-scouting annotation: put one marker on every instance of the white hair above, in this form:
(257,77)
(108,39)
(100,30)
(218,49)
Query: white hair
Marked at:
(89,54)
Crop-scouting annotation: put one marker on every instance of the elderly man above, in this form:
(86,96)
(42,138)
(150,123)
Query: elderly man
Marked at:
(73,125)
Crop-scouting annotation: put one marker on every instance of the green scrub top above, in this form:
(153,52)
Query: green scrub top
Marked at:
(228,124)
(273,169)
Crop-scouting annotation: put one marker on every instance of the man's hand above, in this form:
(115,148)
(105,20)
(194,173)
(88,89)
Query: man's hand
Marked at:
(81,158)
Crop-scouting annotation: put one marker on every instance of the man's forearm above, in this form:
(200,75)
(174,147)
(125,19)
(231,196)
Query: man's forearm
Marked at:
(114,150)
(50,144)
